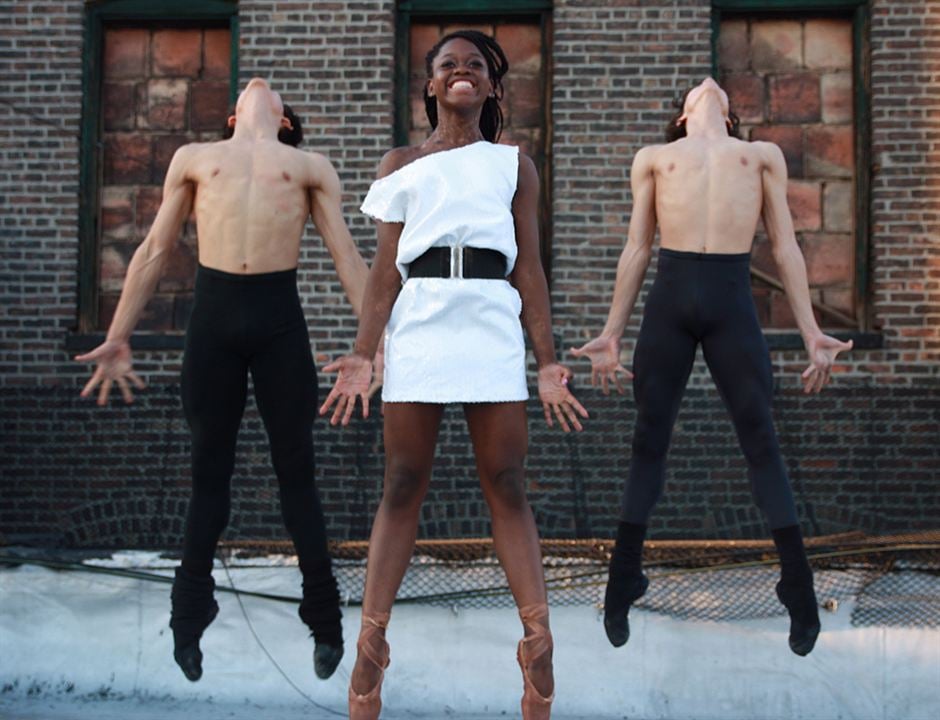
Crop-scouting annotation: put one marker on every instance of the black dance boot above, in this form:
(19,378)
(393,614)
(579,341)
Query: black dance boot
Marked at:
(795,589)
(320,611)
(193,609)
(626,582)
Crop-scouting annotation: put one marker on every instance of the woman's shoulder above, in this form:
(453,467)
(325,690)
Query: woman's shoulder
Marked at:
(396,159)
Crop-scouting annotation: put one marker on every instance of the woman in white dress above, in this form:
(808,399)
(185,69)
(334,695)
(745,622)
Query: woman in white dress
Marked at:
(457,261)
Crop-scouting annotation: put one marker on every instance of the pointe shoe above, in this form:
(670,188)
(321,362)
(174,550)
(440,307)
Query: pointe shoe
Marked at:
(534,705)
(617,607)
(368,706)
(800,602)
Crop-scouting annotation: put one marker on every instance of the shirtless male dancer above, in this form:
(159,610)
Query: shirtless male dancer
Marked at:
(252,196)
(707,191)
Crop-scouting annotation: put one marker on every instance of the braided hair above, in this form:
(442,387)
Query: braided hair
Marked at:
(491,119)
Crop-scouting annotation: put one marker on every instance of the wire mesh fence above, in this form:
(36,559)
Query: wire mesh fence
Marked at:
(893,580)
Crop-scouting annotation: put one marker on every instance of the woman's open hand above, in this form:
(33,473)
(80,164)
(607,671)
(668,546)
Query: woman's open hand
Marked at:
(353,381)
(557,398)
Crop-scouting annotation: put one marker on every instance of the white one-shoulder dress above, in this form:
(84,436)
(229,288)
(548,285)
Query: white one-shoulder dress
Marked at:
(453,340)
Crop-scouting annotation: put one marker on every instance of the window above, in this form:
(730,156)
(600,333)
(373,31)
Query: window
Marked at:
(157,75)
(793,74)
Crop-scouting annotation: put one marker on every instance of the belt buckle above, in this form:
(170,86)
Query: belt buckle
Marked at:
(456,262)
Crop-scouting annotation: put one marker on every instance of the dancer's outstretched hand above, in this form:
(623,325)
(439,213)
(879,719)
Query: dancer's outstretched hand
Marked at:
(604,354)
(355,376)
(822,354)
(114,366)
(557,398)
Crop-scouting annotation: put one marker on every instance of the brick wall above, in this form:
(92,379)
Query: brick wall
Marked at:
(862,456)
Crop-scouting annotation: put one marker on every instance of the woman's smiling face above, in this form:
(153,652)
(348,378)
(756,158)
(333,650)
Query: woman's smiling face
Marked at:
(460,76)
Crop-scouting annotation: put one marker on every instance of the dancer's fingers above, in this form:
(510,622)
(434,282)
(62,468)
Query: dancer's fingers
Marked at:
(616,379)
(125,390)
(548,414)
(561,417)
(573,401)
(350,408)
(92,383)
(605,388)
(135,378)
(365,404)
(328,403)
(337,364)
(104,391)
(572,418)
(340,410)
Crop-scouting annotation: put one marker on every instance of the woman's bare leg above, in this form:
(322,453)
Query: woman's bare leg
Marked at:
(410,437)
(500,441)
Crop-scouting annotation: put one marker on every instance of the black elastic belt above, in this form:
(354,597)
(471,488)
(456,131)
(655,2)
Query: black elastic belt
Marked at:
(466,263)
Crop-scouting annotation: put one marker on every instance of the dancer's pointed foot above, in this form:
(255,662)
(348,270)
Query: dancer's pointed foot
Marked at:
(189,659)
(326,657)
(800,602)
(621,593)
(535,658)
(365,684)
(193,609)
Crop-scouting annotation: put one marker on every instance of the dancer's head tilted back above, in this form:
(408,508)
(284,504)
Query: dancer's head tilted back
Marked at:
(489,65)
(257,101)
(708,92)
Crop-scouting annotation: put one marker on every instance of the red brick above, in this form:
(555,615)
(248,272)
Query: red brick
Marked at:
(147,202)
(829,151)
(789,139)
(117,213)
(526,139)
(180,271)
(837,98)
(829,43)
(841,299)
(776,44)
(177,53)
(746,96)
(210,105)
(830,258)
(794,98)
(163,148)
(762,257)
(524,95)
(107,304)
(125,53)
(522,43)
(419,116)
(762,304)
(217,54)
(423,36)
(165,107)
(117,106)
(804,201)
(839,207)
(126,159)
(733,48)
(781,316)
(158,315)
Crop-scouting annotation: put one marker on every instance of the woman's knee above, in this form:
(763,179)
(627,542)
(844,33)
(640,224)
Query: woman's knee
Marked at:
(405,487)
(505,488)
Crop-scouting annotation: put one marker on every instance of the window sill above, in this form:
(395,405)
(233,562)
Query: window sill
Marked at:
(82,342)
(788,340)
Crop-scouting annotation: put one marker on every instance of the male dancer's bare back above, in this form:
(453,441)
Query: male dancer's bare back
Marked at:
(707,192)
(252,196)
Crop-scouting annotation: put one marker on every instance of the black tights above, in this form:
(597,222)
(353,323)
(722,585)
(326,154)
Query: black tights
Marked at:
(704,299)
(242,324)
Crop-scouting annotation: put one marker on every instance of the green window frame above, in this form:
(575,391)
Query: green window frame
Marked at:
(98,15)
(860,13)
(468,10)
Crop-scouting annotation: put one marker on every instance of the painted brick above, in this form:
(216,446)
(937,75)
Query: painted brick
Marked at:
(217,54)
(733,45)
(789,138)
(745,96)
(776,44)
(794,98)
(836,91)
(210,105)
(146,203)
(522,43)
(525,101)
(125,53)
(804,197)
(177,53)
(829,151)
(163,148)
(166,105)
(839,206)
(829,43)
(117,101)
(126,159)
(829,258)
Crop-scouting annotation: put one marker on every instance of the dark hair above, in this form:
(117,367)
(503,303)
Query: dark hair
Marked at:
(491,119)
(675,132)
(292,136)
